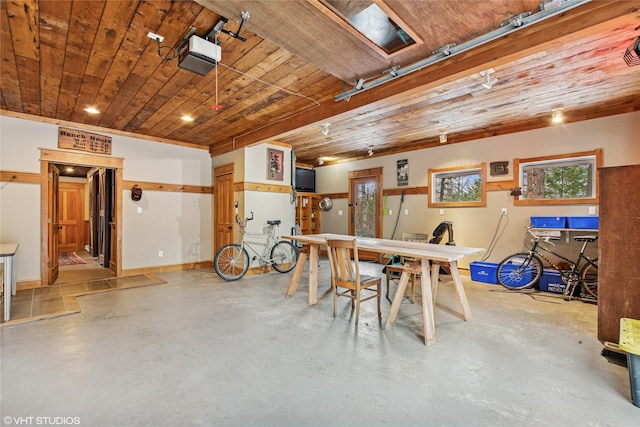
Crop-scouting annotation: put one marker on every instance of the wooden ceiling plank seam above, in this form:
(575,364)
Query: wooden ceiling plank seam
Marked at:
(437,72)
(23,24)
(153,116)
(142,73)
(106,43)
(184,106)
(82,26)
(312,91)
(149,16)
(244,109)
(271,21)
(53,29)
(141,107)
(9,81)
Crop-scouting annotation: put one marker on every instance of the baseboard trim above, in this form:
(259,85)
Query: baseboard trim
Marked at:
(167,268)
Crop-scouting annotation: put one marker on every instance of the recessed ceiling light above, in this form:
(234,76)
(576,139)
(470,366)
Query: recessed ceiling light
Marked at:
(187,118)
(92,110)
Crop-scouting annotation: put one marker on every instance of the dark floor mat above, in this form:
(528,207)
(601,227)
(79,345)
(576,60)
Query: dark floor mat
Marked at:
(614,357)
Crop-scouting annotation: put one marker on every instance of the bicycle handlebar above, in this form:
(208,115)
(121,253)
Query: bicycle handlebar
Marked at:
(245,220)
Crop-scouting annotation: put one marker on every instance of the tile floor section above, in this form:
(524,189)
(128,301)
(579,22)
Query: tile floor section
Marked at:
(58,300)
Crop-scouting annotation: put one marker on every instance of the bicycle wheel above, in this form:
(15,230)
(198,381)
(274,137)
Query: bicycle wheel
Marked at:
(231,262)
(284,256)
(519,271)
(589,276)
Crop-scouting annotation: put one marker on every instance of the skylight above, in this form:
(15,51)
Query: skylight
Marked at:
(374,22)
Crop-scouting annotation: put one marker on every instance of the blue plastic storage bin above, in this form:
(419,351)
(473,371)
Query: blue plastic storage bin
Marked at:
(587,222)
(484,272)
(551,281)
(549,221)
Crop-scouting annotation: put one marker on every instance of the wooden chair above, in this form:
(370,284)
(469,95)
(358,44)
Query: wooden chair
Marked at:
(395,270)
(346,280)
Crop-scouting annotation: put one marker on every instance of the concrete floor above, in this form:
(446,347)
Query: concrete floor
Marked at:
(201,352)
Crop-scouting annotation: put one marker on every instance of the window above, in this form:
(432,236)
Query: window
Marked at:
(563,179)
(462,186)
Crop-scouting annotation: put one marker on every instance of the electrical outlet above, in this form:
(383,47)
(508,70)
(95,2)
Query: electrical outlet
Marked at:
(340,213)
(406,211)
(139,210)
(390,212)
(592,210)
(504,211)
(441,211)
(160,254)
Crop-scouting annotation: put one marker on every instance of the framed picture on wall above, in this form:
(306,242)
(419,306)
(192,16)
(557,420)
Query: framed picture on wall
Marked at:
(403,172)
(499,168)
(275,164)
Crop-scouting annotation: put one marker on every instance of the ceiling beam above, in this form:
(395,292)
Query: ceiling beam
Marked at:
(549,34)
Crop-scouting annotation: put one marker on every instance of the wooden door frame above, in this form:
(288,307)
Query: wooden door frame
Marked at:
(48,156)
(376,174)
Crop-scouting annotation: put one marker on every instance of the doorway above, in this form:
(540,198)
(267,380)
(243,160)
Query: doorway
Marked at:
(109,216)
(85,216)
(365,205)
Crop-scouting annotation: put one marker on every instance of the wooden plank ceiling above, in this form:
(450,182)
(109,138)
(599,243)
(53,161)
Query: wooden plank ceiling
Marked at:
(59,57)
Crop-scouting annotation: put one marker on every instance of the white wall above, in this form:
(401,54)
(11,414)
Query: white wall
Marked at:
(250,166)
(177,223)
(617,135)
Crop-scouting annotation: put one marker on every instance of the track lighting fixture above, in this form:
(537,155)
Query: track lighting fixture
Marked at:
(325,129)
(321,161)
(370,152)
(489,80)
(443,137)
(359,84)
(557,116)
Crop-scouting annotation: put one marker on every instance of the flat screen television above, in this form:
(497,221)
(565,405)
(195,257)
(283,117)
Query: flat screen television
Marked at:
(305,180)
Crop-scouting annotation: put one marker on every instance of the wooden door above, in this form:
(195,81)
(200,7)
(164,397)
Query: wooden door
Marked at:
(618,249)
(224,208)
(104,216)
(94,210)
(53,179)
(71,216)
(365,205)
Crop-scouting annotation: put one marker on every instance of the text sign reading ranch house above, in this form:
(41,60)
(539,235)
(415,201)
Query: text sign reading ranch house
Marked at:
(84,141)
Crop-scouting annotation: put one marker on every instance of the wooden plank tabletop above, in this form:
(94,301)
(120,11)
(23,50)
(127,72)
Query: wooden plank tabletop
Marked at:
(442,253)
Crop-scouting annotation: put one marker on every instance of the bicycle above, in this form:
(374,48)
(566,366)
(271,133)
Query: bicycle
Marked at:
(524,269)
(232,261)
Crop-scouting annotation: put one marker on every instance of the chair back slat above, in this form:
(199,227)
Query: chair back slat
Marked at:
(344,269)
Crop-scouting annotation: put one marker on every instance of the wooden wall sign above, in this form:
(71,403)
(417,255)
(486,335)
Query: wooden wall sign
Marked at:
(84,141)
